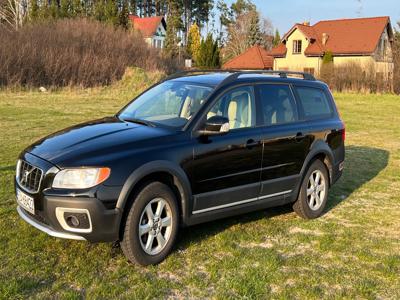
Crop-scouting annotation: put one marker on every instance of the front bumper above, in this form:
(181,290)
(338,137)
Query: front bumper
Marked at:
(42,227)
(104,222)
(53,207)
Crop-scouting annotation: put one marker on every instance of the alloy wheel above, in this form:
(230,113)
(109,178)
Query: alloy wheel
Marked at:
(155,226)
(316,190)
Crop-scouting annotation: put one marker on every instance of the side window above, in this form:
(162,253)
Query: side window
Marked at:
(314,102)
(238,106)
(278,105)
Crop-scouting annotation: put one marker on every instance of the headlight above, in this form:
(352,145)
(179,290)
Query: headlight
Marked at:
(80,178)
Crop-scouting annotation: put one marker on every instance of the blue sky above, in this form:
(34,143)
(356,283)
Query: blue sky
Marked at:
(285,13)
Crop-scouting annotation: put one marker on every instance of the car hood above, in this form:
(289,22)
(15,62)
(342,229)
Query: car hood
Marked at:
(83,143)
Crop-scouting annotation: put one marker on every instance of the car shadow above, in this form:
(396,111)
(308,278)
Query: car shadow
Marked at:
(362,164)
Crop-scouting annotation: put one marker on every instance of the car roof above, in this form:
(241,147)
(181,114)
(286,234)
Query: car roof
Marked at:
(215,78)
(206,78)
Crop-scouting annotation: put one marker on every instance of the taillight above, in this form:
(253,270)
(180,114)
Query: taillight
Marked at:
(343,133)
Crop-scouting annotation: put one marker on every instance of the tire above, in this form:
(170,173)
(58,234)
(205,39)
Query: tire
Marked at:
(313,196)
(152,243)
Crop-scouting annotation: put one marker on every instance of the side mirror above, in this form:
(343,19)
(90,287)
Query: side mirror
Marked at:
(216,125)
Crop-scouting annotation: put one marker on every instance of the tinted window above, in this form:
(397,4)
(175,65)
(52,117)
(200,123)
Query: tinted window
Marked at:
(278,105)
(238,106)
(314,102)
(170,103)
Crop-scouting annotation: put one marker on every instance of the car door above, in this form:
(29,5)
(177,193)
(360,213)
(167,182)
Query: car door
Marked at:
(227,168)
(286,140)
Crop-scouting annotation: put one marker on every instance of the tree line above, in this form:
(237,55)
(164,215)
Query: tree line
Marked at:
(241,23)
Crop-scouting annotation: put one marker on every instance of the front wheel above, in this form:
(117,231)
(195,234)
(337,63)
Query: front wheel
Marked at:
(313,192)
(151,226)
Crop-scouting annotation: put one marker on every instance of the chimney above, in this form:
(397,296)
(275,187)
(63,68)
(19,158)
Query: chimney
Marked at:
(306,23)
(325,38)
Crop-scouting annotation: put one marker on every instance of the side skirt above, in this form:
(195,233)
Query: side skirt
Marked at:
(243,207)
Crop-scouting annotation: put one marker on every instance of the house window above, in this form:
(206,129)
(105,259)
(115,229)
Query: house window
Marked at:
(155,43)
(297,47)
(309,71)
(159,44)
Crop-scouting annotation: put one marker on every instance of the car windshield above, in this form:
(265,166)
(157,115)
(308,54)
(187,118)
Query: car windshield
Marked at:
(171,103)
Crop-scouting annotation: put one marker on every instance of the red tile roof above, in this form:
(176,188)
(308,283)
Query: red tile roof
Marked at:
(345,37)
(147,26)
(255,58)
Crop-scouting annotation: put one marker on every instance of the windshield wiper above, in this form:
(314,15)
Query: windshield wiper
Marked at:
(139,121)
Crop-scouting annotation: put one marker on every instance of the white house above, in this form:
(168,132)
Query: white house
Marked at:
(153,29)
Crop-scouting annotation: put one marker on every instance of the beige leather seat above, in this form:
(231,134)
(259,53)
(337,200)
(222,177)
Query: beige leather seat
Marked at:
(280,111)
(190,106)
(239,111)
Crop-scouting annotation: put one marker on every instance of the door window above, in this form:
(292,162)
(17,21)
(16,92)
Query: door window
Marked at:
(238,106)
(314,102)
(278,104)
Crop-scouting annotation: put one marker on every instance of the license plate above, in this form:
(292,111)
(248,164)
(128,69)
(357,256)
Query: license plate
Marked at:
(25,201)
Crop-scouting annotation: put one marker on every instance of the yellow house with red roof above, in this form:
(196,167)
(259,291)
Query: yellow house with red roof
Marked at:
(365,41)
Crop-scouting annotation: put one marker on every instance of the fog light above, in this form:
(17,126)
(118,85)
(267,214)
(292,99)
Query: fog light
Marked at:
(72,221)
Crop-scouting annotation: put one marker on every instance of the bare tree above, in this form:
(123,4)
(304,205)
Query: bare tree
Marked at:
(241,33)
(13,12)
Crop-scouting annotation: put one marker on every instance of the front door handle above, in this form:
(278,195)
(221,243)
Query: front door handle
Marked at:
(252,143)
(299,136)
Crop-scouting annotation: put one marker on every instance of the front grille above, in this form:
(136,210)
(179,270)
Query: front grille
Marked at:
(29,177)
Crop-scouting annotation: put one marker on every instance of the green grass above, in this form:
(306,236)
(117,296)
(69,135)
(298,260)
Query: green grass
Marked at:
(353,251)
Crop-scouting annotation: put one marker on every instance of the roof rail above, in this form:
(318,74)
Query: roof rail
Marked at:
(236,73)
(194,71)
(282,74)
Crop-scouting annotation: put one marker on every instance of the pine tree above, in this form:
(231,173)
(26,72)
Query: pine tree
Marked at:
(77,8)
(64,8)
(34,10)
(194,40)
(44,11)
(133,7)
(123,16)
(209,53)
(111,12)
(174,24)
(216,56)
(99,11)
(53,9)
(254,34)
(277,38)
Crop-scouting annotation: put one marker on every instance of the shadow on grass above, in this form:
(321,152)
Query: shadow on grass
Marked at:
(362,164)
(7,168)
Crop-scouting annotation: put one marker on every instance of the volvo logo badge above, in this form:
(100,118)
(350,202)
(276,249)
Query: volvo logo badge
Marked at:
(25,176)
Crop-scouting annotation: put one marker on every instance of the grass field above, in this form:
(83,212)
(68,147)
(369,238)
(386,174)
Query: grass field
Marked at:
(353,251)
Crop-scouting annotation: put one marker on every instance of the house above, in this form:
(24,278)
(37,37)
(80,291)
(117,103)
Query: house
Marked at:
(153,29)
(255,58)
(365,41)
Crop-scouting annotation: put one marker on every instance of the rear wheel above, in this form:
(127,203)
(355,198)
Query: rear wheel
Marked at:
(313,192)
(151,226)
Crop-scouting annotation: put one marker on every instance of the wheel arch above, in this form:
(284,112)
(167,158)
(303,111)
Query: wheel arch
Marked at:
(163,171)
(320,150)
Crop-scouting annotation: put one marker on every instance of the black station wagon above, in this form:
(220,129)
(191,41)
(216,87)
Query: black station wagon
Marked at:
(196,147)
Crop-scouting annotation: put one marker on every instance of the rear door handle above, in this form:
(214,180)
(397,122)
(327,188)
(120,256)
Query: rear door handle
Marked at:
(252,143)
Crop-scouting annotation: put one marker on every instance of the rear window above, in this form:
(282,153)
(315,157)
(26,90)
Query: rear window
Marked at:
(315,103)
